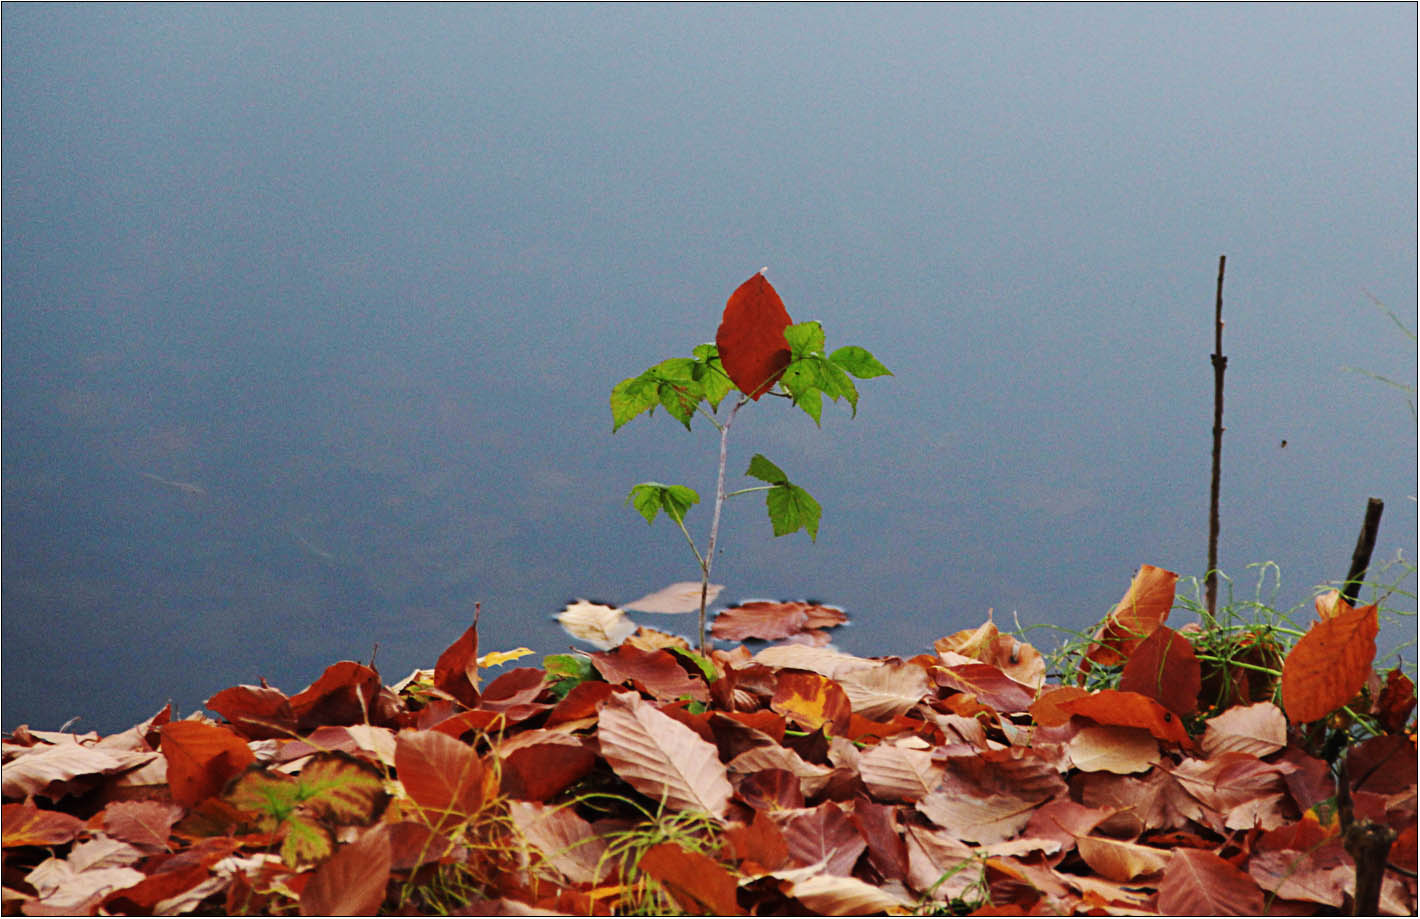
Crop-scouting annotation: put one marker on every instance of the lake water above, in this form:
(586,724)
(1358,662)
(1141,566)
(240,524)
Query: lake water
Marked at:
(311,315)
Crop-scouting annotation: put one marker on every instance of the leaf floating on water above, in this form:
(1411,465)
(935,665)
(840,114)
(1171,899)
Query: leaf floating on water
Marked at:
(681,597)
(599,624)
(772,621)
(494,658)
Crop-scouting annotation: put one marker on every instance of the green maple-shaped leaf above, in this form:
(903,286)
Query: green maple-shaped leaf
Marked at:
(790,507)
(650,498)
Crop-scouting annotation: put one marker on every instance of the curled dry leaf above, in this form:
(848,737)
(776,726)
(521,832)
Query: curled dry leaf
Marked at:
(1143,608)
(1111,748)
(598,624)
(1120,861)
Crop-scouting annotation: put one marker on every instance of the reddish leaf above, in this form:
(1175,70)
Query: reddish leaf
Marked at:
(1144,607)
(414,844)
(1396,702)
(978,818)
(580,703)
(878,825)
(1164,667)
(699,884)
(515,694)
(27,825)
(442,775)
(751,337)
(1258,729)
(352,881)
(201,759)
(1329,665)
(1047,710)
(989,685)
(259,712)
(826,835)
(1383,765)
(768,790)
(760,619)
(1130,709)
(456,670)
(895,773)
(759,842)
(145,824)
(811,701)
(536,772)
(141,898)
(346,693)
(656,673)
(1198,883)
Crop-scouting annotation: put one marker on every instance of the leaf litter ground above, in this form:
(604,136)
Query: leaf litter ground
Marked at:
(798,779)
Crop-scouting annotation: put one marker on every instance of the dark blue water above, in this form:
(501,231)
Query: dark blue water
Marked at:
(311,315)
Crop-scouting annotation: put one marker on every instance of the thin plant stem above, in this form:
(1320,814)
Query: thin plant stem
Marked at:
(1220,364)
(708,559)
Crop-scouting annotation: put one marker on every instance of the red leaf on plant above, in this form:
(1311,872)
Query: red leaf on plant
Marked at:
(811,701)
(1329,665)
(1198,883)
(751,337)
(698,883)
(456,670)
(824,834)
(201,759)
(1110,706)
(27,825)
(656,673)
(442,775)
(346,693)
(259,712)
(1164,668)
(352,881)
(1144,607)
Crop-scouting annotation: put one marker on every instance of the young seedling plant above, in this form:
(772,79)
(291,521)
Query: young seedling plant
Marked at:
(758,351)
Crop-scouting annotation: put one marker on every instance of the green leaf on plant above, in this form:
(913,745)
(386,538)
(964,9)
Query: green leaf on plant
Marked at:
(707,666)
(765,471)
(710,373)
(633,396)
(859,362)
(792,508)
(650,498)
(805,338)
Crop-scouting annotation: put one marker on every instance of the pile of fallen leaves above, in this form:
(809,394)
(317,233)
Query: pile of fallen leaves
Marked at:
(798,779)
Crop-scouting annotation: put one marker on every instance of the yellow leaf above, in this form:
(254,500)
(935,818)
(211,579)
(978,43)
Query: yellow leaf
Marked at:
(494,658)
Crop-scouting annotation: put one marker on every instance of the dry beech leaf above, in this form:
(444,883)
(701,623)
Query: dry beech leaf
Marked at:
(1120,861)
(352,881)
(834,895)
(1111,748)
(662,758)
(895,773)
(1165,668)
(598,624)
(771,620)
(1199,883)
(1144,607)
(1257,729)
(681,597)
(985,819)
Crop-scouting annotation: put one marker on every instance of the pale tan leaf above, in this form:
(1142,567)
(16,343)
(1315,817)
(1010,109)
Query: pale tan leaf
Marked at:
(894,773)
(833,895)
(1120,861)
(662,758)
(987,819)
(939,862)
(1257,729)
(812,777)
(882,690)
(1113,748)
(566,841)
(681,597)
(596,623)
(32,772)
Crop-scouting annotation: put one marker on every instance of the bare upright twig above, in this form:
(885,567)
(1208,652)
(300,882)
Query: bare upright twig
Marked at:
(1220,363)
(709,559)
(1365,545)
